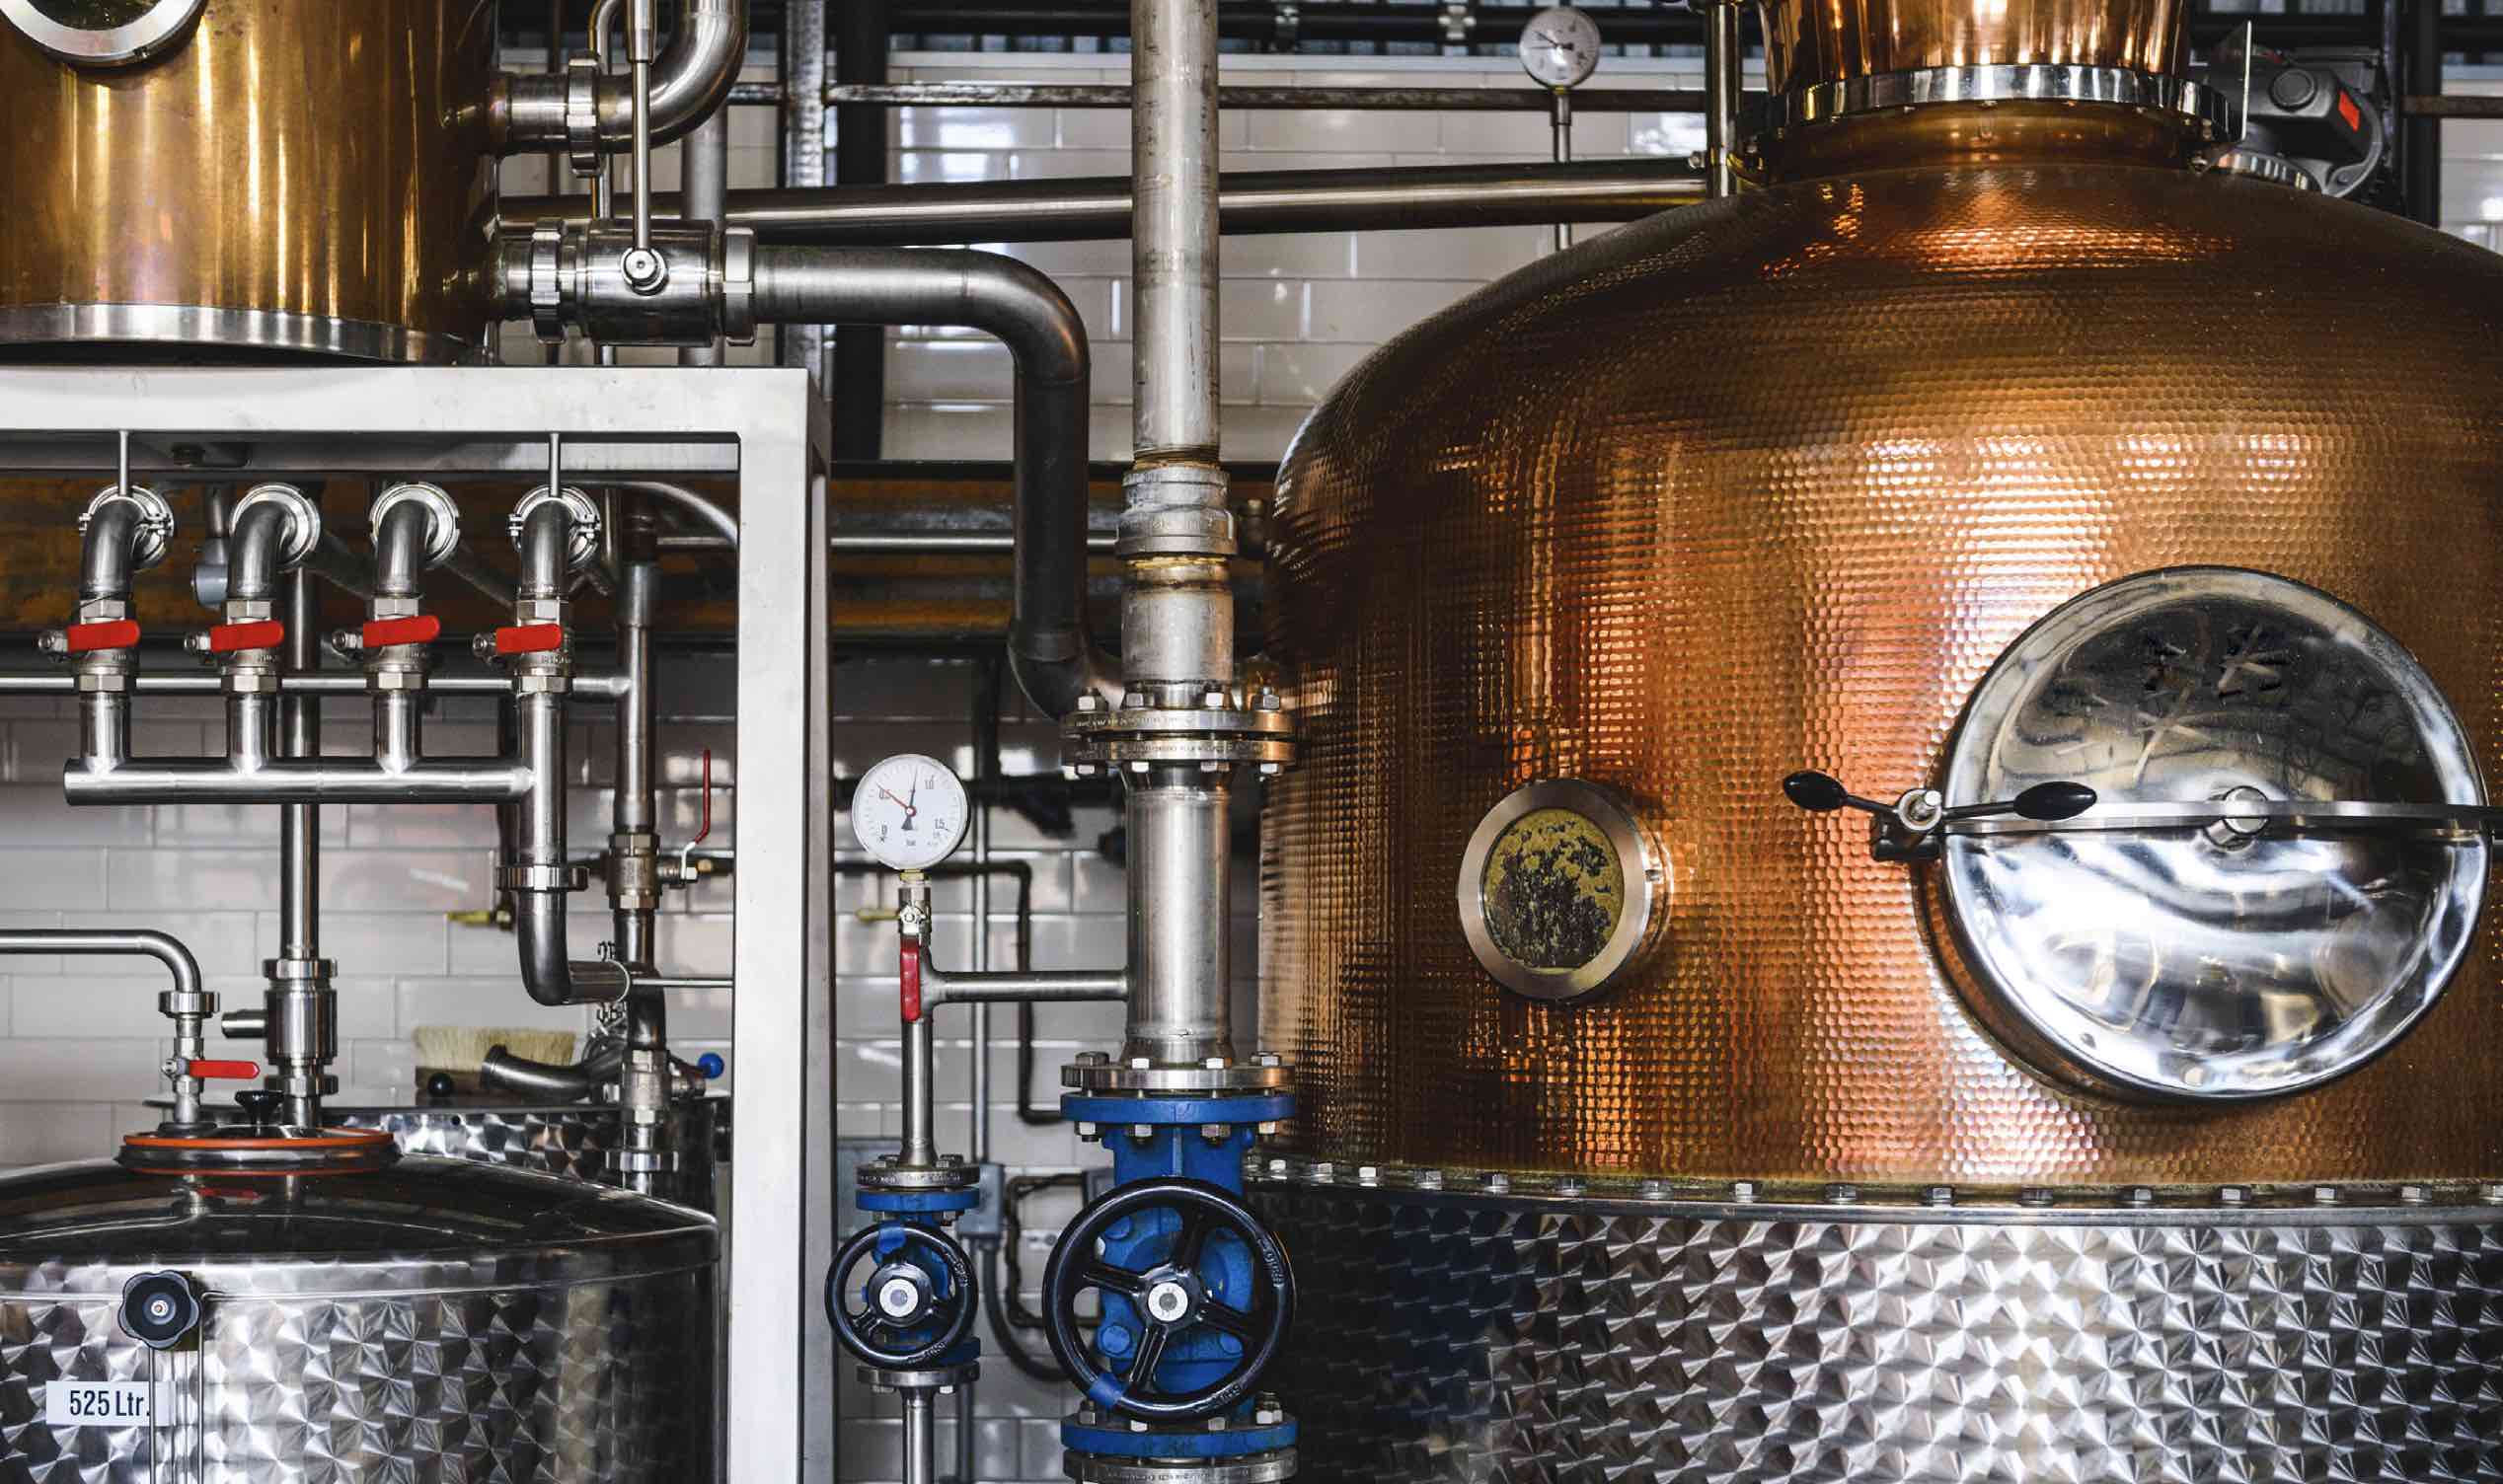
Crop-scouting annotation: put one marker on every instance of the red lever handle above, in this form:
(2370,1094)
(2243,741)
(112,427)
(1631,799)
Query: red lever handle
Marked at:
(117,634)
(418,629)
(241,1072)
(530,639)
(908,982)
(226,638)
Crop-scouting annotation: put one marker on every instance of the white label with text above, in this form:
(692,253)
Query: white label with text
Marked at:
(99,1404)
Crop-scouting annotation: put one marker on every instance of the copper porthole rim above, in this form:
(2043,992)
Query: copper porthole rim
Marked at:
(319,1151)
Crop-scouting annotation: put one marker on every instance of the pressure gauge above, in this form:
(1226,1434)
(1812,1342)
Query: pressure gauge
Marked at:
(1559,48)
(103,33)
(910,812)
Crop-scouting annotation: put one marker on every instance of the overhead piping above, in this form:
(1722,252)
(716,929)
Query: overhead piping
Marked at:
(690,78)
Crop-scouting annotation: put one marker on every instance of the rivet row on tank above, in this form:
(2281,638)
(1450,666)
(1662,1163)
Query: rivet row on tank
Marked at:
(1842,1193)
(1498,1184)
(2232,1195)
(2325,1195)
(2139,1195)
(1938,1195)
(1368,1174)
(1742,1190)
(1569,1186)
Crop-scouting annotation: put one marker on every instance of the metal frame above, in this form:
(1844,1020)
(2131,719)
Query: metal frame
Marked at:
(1637,859)
(767,427)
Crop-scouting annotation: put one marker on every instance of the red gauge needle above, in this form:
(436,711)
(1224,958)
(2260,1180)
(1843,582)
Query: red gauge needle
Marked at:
(908,803)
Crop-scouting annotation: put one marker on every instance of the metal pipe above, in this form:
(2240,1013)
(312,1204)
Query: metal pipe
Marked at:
(1249,202)
(190,1024)
(1178,891)
(690,79)
(591,685)
(703,163)
(921,1436)
(107,552)
(1174,228)
(1015,986)
(508,1072)
(942,542)
(643,42)
(2420,147)
(260,534)
(301,1007)
(399,549)
(723,522)
(1722,60)
(1051,648)
(959,95)
(920,1143)
(308,780)
(800,68)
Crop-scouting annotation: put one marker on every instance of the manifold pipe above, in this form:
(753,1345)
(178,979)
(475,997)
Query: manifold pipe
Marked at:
(539,848)
(1249,204)
(1051,650)
(690,81)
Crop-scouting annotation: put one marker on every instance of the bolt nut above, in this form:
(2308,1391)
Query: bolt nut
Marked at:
(1214,1133)
(1091,701)
(1142,1132)
(2232,1195)
(1267,1129)
(1938,1195)
(1216,701)
(2035,1195)
(1368,1174)
(1498,1183)
(1093,1058)
(1270,1059)
(1139,1063)
(2325,1195)
(2139,1195)
(1090,1130)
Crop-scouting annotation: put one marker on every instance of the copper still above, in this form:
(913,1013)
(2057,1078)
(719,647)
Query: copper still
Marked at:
(251,177)
(1771,483)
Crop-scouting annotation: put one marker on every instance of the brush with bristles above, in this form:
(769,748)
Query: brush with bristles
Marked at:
(462,1049)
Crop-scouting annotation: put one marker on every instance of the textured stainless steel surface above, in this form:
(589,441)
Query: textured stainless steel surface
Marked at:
(2249,958)
(1461,1338)
(573,1138)
(434,1320)
(1534,539)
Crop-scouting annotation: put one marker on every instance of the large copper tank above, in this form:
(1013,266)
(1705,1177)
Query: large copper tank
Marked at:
(293,176)
(1768,484)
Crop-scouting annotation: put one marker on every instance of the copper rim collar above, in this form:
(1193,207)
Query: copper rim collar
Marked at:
(2199,106)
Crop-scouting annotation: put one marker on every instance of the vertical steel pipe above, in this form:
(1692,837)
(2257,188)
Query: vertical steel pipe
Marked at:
(704,170)
(1173,236)
(1722,60)
(2420,149)
(299,825)
(803,70)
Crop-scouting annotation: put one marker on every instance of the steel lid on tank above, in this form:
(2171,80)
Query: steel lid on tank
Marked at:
(419,1226)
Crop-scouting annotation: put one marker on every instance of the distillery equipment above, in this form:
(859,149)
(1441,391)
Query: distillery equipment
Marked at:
(1646,1116)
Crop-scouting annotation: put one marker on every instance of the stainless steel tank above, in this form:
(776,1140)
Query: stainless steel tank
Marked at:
(429,1318)
(247,177)
(1652,1127)
(555,1139)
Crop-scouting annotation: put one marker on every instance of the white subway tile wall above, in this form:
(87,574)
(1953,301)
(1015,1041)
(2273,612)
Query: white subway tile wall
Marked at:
(80,1040)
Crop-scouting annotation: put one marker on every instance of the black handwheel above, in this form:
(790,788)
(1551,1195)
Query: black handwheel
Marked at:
(917,1304)
(159,1309)
(1177,1288)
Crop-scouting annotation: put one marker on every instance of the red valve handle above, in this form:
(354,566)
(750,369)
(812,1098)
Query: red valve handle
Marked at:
(226,638)
(530,639)
(417,629)
(241,1072)
(908,980)
(116,633)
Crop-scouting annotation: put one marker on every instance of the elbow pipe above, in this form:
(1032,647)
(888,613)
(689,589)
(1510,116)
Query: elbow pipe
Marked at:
(256,552)
(723,522)
(401,542)
(503,1071)
(163,947)
(552,978)
(110,553)
(691,79)
(1051,647)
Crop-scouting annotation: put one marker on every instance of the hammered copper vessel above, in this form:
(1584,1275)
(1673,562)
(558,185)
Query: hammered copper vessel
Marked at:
(290,177)
(1768,484)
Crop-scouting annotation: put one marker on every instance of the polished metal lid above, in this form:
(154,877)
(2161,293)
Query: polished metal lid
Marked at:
(421,1223)
(2231,955)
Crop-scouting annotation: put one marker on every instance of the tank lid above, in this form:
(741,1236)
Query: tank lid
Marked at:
(421,1223)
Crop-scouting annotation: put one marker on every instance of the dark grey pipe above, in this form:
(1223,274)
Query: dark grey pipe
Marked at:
(473,569)
(1051,650)
(1249,204)
(690,79)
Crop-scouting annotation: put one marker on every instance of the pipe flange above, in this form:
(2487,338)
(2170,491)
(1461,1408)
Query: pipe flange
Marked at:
(304,519)
(156,522)
(888,1172)
(547,282)
(173,1002)
(1175,510)
(306,971)
(156,27)
(541,879)
(926,1379)
(1104,1468)
(739,285)
(583,116)
(1145,735)
(443,530)
(583,542)
(1094,1071)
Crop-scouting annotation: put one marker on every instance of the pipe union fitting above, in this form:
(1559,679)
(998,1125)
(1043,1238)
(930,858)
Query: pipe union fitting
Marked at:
(304,522)
(582,544)
(156,523)
(443,528)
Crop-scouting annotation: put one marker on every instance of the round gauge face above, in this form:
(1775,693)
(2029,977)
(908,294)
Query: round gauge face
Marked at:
(1559,48)
(2247,957)
(1556,890)
(910,812)
(101,33)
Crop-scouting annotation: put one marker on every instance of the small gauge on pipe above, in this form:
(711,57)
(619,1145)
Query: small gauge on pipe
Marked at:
(1559,48)
(910,811)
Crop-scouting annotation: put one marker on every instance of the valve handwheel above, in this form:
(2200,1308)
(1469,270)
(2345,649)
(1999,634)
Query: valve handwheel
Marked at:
(1196,1293)
(916,1303)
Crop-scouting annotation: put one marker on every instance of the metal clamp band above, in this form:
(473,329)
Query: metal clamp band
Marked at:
(2034,82)
(547,282)
(304,519)
(156,521)
(582,116)
(443,525)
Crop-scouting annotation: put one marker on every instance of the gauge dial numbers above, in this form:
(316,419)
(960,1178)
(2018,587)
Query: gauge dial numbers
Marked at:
(910,811)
